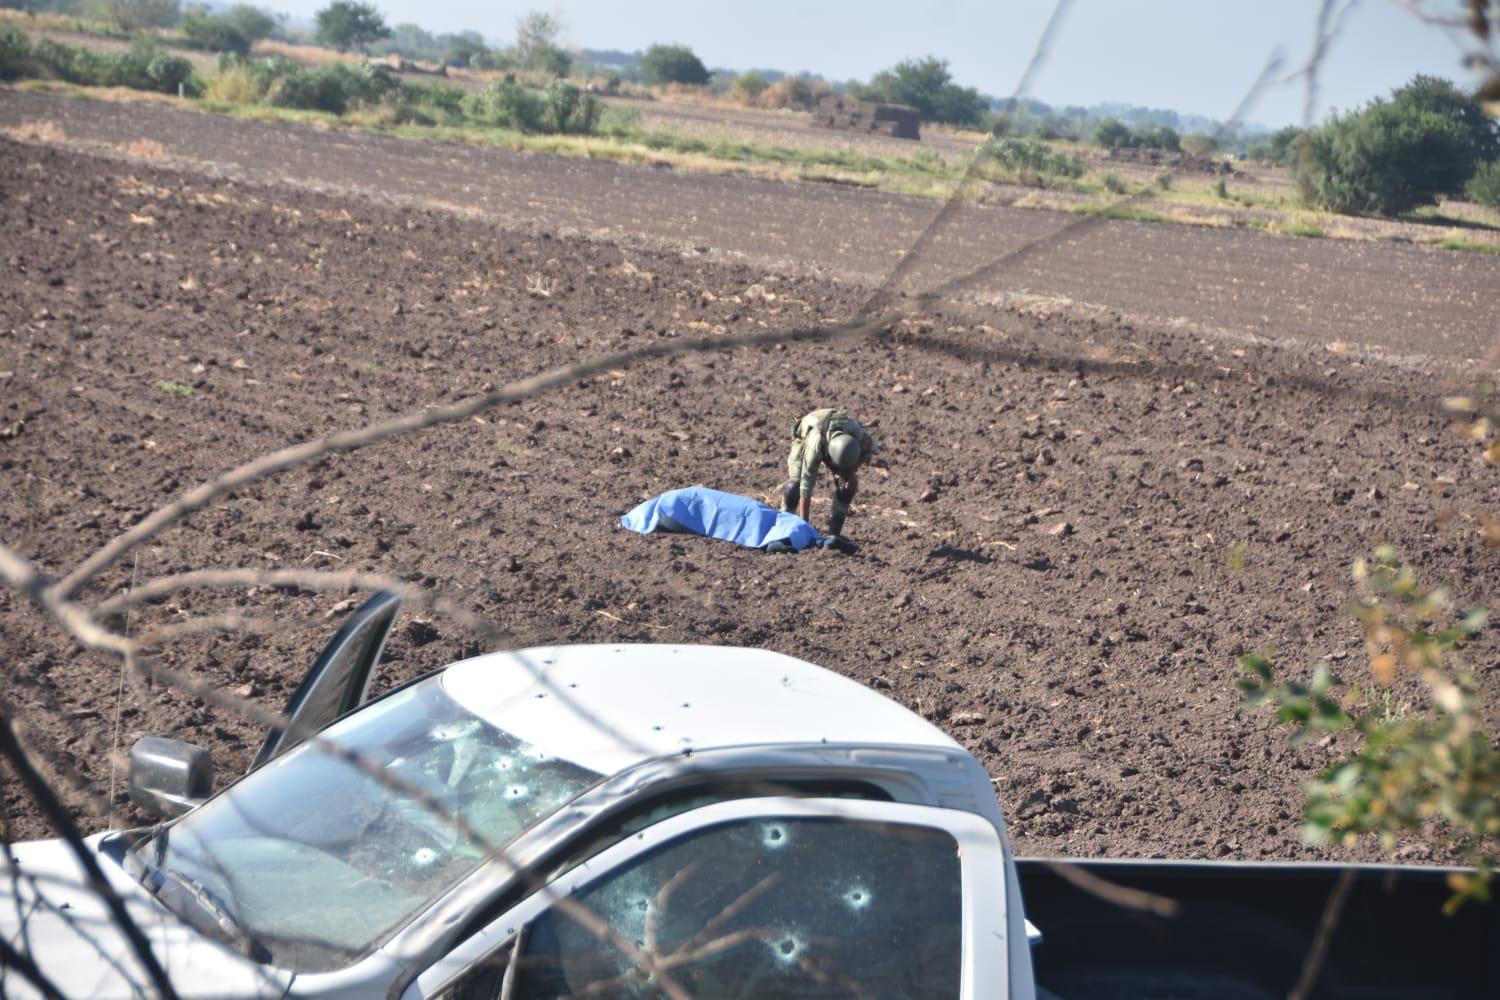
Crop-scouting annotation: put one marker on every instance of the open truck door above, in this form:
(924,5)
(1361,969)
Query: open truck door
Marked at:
(339,680)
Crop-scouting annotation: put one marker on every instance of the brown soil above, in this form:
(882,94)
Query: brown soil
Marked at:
(1045,562)
(1401,300)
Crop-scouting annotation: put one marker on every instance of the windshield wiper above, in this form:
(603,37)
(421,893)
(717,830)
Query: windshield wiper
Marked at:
(220,918)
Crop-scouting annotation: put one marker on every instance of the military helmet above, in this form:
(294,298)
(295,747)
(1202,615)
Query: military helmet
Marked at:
(843,452)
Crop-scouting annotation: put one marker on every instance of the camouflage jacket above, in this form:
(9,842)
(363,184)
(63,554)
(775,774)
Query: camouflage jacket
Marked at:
(810,447)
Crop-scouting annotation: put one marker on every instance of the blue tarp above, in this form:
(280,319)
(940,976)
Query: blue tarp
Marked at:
(699,510)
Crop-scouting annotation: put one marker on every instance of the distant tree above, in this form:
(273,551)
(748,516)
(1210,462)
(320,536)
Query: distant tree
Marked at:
(346,24)
(1484,186)
(926,84)
(464,49)
(1199,144)
(253,22)
(1434,95)
(673,64)
(1111,133)
(213,32)
(134,15)
(537,45)
(751,84)
(1284,144)
(1387,159)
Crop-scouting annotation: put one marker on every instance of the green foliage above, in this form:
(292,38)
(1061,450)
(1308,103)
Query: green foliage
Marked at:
(509,105)
(1484,186)
(1026,161)
(141,67)
(1409,767)
(537,44)
(1427,140)
(1221,190)
(926,84)
(1198,144)
(1111,134)
(174,388)
(1113,184)
(1114,134)
(15,55)
(212,32)
(1281,147)
(347,24)
(673,64)
(235,30)
(136,15)
(253,22)
(333,87)
(751,84)
(1436,96)
(1386,159)
(571,110)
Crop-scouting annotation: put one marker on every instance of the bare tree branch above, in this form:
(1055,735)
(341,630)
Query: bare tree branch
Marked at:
(62,822)
(309,451)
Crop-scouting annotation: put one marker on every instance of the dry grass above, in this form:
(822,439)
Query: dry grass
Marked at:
(142,149)
(309,55)
(36,132)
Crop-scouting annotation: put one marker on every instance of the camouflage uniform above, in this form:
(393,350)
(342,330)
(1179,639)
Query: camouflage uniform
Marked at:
(810,451)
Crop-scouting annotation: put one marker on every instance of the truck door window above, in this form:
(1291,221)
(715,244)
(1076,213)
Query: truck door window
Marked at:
(793,907)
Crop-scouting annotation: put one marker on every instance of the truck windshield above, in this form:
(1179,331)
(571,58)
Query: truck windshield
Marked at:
(317,859)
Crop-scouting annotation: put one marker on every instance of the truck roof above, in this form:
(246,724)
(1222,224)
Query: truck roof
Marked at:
(609,707)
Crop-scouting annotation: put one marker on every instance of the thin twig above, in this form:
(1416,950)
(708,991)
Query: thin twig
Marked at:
(1332,911)
(1111,892)
(62,822)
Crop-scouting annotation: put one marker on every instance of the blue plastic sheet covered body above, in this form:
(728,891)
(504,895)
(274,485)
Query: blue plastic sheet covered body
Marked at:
(714,514)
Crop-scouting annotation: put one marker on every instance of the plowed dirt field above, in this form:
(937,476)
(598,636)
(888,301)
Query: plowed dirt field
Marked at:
(1077,520)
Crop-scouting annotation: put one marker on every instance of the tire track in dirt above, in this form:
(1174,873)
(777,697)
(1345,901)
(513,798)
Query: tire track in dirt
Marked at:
(1401,300)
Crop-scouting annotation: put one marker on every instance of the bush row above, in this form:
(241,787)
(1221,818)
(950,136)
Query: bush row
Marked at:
(141,67)
(336,87)
(1031,157)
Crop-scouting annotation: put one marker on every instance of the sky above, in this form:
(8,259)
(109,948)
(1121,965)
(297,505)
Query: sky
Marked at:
(1195,56)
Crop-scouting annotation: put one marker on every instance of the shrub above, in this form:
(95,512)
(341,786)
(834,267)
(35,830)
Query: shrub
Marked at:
(251,21)
(1484,186)
(749,86)
(15,55)
(1388,158)
(926,84)
(788,92)
(569,109)
(134,15)
(673,64)
(216,34)
(345,25)
(333,87)
(1112,134)
(1437,96)
(509,105)
(1030,161)
(1112,183)
(141,67)
(1221,190)
(1198,144)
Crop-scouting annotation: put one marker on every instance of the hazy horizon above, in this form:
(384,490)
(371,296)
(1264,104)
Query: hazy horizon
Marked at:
(1189,56)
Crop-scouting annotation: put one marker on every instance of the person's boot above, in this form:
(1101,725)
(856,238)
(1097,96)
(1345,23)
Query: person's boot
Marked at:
(790,494)
(836,523)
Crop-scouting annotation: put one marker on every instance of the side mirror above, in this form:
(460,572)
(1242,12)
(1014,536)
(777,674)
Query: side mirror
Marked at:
(169,777)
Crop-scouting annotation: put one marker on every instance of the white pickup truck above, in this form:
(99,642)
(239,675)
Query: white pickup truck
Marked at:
(629,821)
